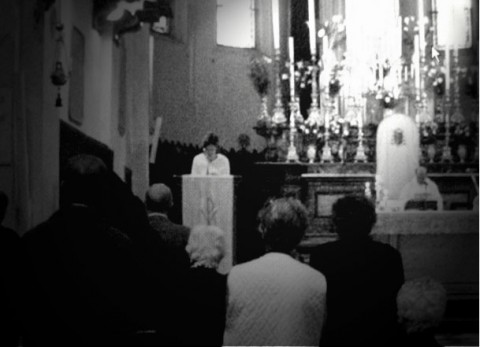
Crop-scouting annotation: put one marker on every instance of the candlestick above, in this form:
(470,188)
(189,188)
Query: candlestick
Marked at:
(291,56)
(457,116)
(312,27)
(292,154)
(417,62)
(380,73)
(447,70)
(314,119)
(360,155)
(434,23)
(292,150)
(421,25)
(276,24)
(278,111)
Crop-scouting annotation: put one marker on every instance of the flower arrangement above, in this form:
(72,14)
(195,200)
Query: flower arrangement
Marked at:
(335,31)
(428,132)
(386,98)
(436,77)
(334,84)
(259,74)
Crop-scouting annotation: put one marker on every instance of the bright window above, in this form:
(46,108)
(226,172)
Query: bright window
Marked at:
(236,23)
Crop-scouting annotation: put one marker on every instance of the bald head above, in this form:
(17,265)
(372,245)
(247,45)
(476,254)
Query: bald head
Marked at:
(159,198)
(421,173)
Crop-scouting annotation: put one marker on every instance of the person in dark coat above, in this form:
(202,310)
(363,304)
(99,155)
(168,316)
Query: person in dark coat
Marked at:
(206,300)
(92,277)
(10,286)
(363,278)
(159,202)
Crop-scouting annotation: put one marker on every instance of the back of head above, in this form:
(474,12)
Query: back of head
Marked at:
(159,198)
(243,141)
(206,246)
(353,217)
(210,139)
(421,304)
(282,223)
(84,180)
(3,205)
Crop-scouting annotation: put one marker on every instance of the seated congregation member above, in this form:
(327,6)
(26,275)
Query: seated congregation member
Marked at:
(210,162)
(363,278)
(420,192)
(421,305)
(159,201)
(86,267)
(275,299)
(206,298)
(10,285)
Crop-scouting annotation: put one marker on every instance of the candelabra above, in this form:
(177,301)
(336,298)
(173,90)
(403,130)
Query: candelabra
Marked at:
(360,155)
(457,116)
(278,111)
(326,150)
(314,118)
(420,107)
(447,151)
(294,110)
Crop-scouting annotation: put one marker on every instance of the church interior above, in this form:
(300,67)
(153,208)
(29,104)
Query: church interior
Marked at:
(303,96)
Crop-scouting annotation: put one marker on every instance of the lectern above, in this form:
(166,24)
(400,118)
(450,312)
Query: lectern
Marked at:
(210,200)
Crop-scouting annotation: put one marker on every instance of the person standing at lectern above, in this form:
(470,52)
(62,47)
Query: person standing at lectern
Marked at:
(421,190)
(210,162)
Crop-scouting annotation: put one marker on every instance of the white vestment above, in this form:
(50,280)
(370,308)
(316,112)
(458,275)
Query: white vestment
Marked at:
(398,148)
(421,192)
(202,166)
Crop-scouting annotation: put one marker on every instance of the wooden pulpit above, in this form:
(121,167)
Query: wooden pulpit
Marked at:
(210,200)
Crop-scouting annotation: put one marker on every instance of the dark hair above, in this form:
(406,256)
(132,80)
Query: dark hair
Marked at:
(353,216)
(282,223)
(210,139)
(3,205)
(84,181)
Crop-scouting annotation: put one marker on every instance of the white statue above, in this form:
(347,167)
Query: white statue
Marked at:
(398,148)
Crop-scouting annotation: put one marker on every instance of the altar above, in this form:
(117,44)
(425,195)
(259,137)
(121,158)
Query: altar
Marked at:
(442,245)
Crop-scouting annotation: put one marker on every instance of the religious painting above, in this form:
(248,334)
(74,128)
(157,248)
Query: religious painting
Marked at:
(77,80)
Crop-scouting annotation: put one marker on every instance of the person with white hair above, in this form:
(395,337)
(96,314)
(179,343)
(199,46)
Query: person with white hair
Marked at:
(421,305)
(275,299)
(206,298)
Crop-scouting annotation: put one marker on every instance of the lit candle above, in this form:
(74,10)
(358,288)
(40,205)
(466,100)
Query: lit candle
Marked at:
(325,50)
(421,26)
(380,72)
(417,62)
(447,70)
(291,56)
(312,27)
(276,24)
